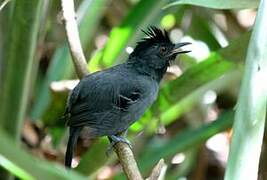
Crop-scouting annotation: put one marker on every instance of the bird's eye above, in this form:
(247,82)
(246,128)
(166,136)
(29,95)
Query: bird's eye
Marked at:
(162,49)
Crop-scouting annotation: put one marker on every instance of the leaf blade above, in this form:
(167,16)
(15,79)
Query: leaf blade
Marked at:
(218,4)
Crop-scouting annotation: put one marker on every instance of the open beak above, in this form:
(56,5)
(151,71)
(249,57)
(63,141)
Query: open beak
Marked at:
(177,48)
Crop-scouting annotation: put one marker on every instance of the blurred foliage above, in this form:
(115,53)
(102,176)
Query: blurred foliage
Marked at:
(195,104)
(185,139)
(18,51)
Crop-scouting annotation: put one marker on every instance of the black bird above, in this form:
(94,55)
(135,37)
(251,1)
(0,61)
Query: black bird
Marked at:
(107,102)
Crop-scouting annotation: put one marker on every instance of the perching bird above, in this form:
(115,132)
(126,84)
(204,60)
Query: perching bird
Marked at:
(107,102)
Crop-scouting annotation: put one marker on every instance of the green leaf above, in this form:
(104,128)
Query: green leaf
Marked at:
(18,56)
(140,16)
(218,4)
(25,166)
(196,76)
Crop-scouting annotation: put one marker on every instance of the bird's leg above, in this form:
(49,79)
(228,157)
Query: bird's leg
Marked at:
(124,133)
(114,139)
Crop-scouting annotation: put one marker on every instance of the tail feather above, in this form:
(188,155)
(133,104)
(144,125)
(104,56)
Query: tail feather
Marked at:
(73,137)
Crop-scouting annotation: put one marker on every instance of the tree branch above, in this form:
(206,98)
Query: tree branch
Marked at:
(74,42)
(127,161)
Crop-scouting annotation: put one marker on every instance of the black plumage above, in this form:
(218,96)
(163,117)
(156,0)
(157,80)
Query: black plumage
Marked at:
(107,102)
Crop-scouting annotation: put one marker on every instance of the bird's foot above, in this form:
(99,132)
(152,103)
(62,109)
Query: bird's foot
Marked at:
(114,139)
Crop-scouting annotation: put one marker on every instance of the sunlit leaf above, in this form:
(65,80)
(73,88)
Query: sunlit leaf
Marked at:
(27,166)
(218,4)
(140,16)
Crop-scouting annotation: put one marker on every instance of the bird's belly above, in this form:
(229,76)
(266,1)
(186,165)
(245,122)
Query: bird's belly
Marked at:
(116,121)
(134,114)
(112,126)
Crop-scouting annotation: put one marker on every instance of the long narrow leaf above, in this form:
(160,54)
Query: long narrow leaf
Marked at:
(140,16)
(218,4)
(18,62)
(26,166)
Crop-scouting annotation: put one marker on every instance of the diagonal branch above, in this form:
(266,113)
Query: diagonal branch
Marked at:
(127,161)
(3,4)
(74,42)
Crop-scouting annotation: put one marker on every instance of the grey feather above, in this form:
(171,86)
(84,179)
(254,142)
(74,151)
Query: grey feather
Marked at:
(110,102)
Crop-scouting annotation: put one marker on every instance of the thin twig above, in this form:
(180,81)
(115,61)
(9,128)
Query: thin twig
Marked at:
(123,151)
(158,171)
(71,28)
(4,4)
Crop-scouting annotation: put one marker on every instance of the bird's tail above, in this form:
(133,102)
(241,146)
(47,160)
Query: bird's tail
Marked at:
(73,137)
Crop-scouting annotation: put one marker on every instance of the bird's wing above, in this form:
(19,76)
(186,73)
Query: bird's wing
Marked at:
(79,92)
(107,98)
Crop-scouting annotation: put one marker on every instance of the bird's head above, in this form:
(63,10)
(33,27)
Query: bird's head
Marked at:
(156,50)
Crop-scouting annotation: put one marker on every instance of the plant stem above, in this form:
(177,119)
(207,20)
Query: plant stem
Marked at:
(251,107)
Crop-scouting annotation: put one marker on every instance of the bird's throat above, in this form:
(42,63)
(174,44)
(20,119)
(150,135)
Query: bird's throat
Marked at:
(156,74)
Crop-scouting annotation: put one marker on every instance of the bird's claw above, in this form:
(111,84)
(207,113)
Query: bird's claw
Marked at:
(114,140)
